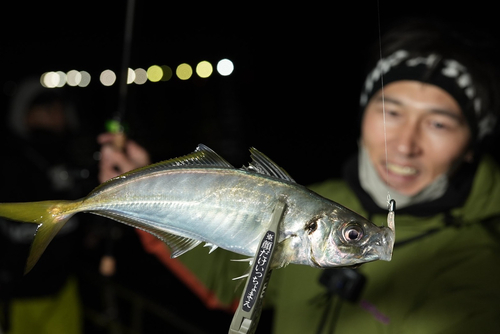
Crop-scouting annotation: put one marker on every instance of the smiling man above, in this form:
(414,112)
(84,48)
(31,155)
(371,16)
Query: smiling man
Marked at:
(418,141)
(426,109)
(419,128)
(426,135)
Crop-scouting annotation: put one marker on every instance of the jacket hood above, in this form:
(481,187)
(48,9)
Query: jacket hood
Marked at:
(456,194)
(482,203)
(25,94)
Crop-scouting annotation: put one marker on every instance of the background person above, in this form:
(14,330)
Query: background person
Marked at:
(40,162)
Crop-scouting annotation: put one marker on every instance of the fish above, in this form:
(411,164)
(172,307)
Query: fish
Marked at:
(201,198)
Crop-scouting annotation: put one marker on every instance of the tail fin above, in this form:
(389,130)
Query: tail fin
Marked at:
(50,217)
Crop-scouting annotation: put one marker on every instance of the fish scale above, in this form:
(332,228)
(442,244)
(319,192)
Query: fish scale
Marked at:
(177,213)
(202,198)
(219,181)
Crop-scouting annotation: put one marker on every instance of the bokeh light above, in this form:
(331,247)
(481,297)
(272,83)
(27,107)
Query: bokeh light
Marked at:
(204,69)
(73,78)
(85,81)
(47,79)
(167,73)
(53,79)
(225,67)
(184,71)
(154,73)
(141,76)
(130,76)
(58,79)
(107,77)
(62,79)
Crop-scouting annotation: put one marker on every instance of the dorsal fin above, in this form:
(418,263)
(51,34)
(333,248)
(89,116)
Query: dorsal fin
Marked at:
(202,156)
(263,165)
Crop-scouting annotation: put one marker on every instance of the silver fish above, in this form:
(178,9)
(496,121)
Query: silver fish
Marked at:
(202,198)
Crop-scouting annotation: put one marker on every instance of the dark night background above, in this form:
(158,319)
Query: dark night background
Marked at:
(293,93)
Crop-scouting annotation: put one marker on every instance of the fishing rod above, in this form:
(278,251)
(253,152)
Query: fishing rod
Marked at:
(107,265)
(115,124)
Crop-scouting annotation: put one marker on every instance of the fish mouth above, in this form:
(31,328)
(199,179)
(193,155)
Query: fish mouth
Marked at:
(383,244)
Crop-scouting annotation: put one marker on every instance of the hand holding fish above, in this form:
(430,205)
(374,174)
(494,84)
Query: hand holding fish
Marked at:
(200,197)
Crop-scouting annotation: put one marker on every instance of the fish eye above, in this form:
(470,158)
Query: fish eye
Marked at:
(353,233)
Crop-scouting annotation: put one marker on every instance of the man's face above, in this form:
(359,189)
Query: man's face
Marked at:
(426,134)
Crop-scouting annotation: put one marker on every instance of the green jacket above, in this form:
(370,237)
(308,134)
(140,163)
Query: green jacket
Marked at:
(444,281)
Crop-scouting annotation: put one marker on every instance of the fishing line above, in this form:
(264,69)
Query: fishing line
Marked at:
(383,104)
(331,298)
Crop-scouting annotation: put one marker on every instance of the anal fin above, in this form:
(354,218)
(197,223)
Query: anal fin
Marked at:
(177,244)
